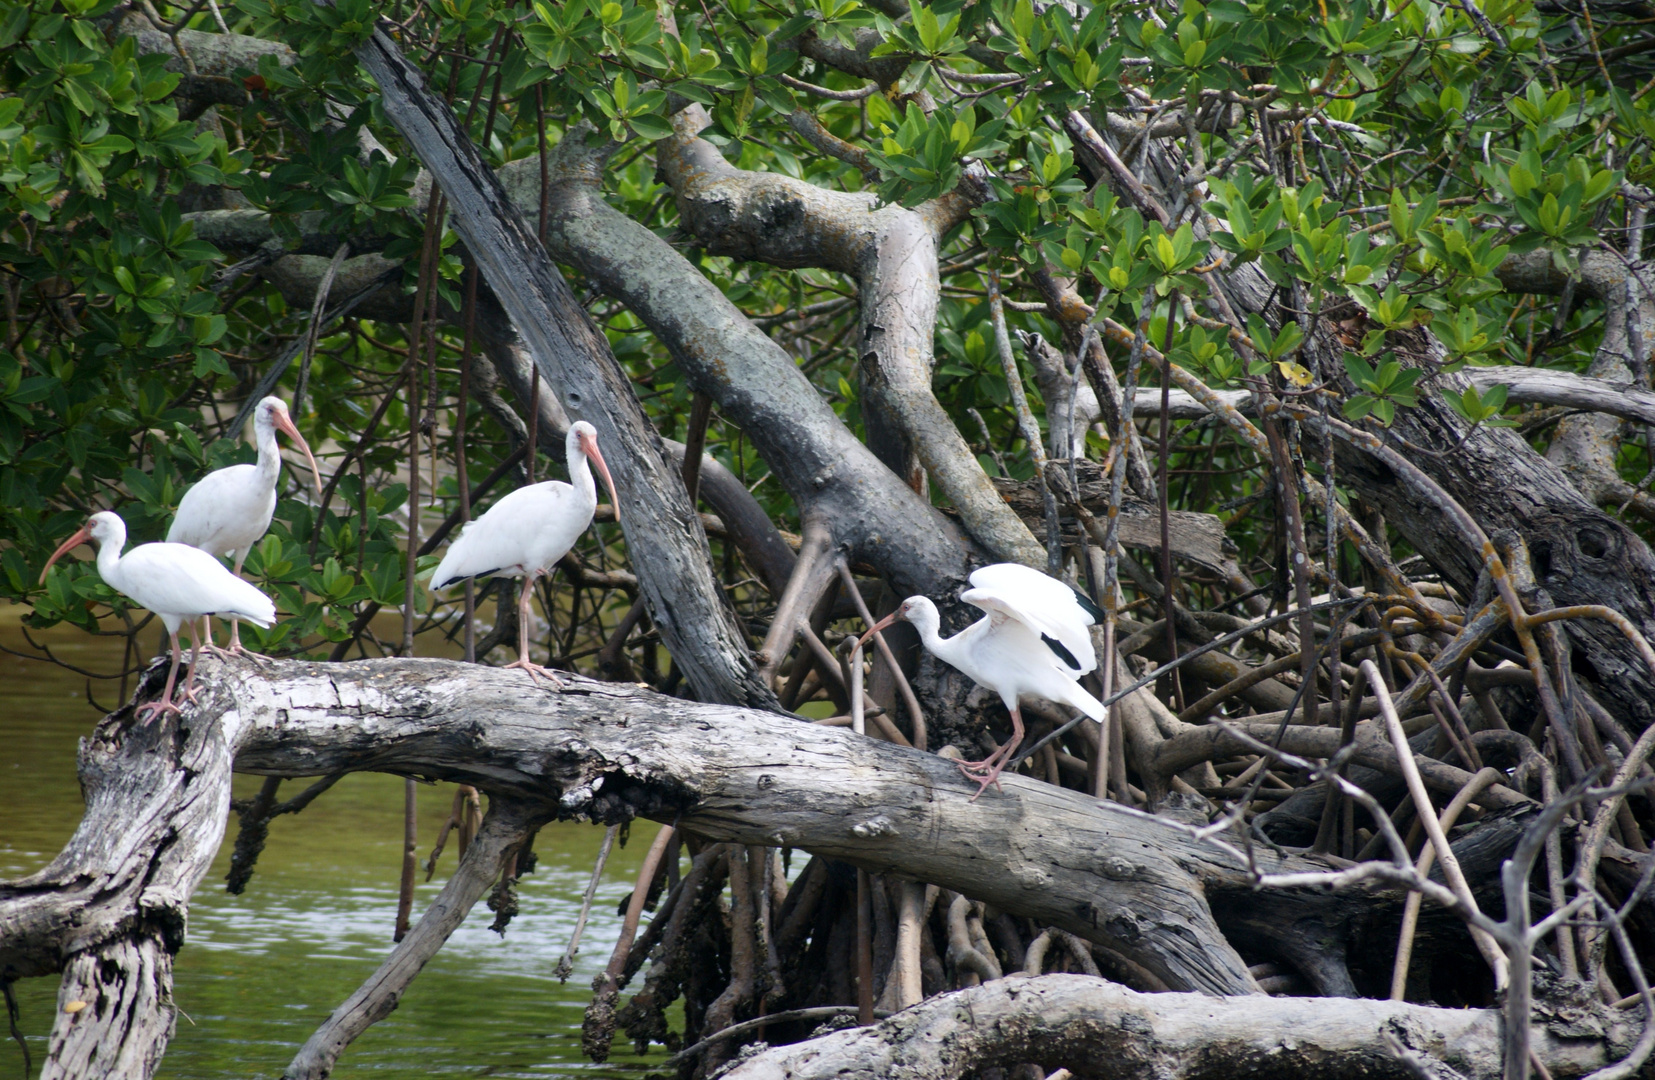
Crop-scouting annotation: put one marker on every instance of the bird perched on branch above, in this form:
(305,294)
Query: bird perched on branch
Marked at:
(1034,642)
(178,582)
(527,532)
(229,509)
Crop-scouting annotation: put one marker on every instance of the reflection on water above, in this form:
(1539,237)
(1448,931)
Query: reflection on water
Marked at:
(261,970)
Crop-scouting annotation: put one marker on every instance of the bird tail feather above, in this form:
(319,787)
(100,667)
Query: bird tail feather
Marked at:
(252,605)
(1086,703)
(444,573)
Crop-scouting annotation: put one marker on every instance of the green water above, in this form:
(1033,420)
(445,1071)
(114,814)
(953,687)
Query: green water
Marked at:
(261,970)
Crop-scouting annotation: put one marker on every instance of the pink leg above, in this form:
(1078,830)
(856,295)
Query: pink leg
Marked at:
(165,705)
(207,638)
(988,770)
(236,647)
(188,689)
(523,661)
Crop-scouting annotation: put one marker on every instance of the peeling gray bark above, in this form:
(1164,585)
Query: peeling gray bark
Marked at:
(1098,1029)
(607,750)
(111,910)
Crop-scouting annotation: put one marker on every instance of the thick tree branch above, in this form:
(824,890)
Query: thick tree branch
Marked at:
(1586,446)
(892,252)
(1527,386)
(109,910)
(1601,274)
(606,752)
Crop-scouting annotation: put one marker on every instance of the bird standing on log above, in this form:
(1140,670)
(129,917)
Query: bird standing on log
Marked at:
(229,509)
(1034,642)
(527,532)
(177,582)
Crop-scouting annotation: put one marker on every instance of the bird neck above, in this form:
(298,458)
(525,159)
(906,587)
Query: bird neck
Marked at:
(109,556)
(264,437)
(580,473)
(929,625)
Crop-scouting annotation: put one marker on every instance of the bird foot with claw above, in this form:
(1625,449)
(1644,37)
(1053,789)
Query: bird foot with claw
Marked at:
(154,708)
(535,671)
(983,772)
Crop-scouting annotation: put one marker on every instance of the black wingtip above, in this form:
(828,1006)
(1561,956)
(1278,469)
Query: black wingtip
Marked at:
(1087,605)
(461,577)
(1063,653)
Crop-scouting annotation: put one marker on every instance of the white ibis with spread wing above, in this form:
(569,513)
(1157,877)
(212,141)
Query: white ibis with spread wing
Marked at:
(177,582)
(228,510)
(527,532)
(1033,643)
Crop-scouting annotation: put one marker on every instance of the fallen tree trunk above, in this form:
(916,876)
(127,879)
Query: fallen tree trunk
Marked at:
(608,752)
(1096,1028)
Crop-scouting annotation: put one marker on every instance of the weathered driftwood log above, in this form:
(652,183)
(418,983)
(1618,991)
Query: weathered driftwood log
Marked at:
(605,751)
(110,910)
(1100,1029)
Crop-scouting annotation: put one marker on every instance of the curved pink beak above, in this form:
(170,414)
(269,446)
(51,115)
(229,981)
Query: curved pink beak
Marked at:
(284,424)
(878,626)
(589,444)
(67,546)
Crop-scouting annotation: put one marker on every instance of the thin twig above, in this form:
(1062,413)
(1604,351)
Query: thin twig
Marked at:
(566,966)
(1422,802)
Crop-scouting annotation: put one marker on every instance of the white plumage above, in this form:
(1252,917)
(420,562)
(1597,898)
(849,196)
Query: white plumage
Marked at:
(527,532)
(1046,606)
(1034,642)
(228,510)
(177,582)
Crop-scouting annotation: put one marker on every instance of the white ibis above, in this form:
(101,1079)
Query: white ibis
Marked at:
(176,581)
(1034,643)
(527,532)
(229,509)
